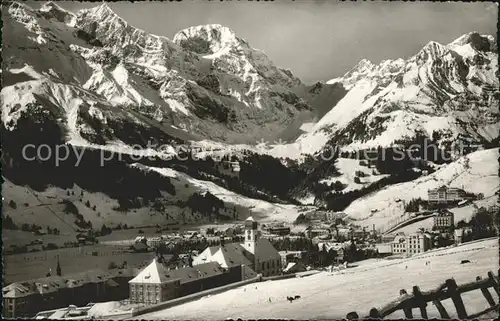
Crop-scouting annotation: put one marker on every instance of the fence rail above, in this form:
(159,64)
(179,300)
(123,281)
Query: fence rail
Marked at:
(448,290)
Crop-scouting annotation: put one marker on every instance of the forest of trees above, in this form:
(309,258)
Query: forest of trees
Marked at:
(483,224)
(206,204)
(413,205)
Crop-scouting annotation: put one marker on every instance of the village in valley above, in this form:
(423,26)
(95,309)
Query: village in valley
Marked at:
(193,263)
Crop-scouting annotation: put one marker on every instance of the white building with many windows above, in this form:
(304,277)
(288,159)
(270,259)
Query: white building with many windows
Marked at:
(418,243)
(398,245)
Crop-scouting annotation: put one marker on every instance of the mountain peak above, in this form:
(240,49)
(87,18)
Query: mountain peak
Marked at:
(363,65)
(206,39)
(476,40)
(53,10)
(102,10)
(431,50)
(104,7)
(50,5)
(432,45)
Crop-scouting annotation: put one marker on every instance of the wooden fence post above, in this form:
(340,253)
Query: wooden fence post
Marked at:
(375,314)
(406,309)
(494,281)
(456,298)
(441,309)
(352,316)
(420,303)
(487,294)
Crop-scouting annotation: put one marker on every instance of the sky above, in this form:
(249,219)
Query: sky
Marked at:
(317,40)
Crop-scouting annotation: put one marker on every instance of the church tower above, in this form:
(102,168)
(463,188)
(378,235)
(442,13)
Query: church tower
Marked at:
(250,235)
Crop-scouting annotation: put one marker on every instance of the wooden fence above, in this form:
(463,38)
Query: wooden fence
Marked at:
(448,290)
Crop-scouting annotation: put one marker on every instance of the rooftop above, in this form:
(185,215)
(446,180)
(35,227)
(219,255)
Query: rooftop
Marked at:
(157,273)
(55,283)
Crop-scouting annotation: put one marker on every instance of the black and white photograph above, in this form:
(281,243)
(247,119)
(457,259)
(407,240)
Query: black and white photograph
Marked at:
(246,160)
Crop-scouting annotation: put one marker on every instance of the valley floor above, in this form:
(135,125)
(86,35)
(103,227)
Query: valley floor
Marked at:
(372,283)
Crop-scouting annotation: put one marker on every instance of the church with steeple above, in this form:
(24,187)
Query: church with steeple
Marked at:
(255,253)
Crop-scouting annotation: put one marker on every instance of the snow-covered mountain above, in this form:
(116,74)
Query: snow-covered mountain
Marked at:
(206,81)
(451,90)
(92,81)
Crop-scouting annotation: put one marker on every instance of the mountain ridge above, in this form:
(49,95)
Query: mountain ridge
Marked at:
(432,86)
(240,92)
(91,81)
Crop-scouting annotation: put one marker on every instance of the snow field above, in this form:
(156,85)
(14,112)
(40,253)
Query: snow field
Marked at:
(373,283)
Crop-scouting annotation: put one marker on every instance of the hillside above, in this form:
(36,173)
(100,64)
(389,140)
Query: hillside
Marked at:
(476,172)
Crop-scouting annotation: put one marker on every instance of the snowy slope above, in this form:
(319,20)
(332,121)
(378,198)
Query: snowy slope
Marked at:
(262,210)
(448,89)
(232,93)
(326,296)
(45,208)
(347,168)
(476,172)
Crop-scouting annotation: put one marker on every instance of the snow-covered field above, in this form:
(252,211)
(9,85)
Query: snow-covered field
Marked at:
(373,283)
(476,172)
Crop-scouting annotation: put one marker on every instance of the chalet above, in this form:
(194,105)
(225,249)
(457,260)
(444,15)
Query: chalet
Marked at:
(341,231)
(458,236)
(336,246)
(445,194)
(232,231)
(255,253)
(444,220)
(154,241)
(327,216)
(229,168)
(384,249)
(40,232)
(316,215)
(294,267)
(298,230)
(90,311)
(387,238)
(139,247)
(316,232)
(291,256)
(279,230)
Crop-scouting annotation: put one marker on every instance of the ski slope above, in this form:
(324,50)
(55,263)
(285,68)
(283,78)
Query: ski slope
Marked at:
(373,283)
